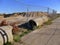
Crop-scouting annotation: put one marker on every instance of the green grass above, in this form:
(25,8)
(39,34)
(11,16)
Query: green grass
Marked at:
(24,33)
(37,27)
(18,37)
(8,43)
(51,19)
(48,22)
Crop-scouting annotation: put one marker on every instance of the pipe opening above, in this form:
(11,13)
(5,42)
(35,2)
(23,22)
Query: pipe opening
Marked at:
(32,23)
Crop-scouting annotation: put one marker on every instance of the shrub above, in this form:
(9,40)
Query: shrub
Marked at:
(4,23)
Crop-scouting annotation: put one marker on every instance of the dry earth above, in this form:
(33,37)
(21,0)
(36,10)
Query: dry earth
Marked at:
(47,35)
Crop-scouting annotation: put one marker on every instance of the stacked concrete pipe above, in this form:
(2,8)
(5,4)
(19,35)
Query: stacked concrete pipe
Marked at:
(38,21)
(6,34)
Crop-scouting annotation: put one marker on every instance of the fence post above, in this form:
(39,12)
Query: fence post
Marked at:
(27,14)
(48,10)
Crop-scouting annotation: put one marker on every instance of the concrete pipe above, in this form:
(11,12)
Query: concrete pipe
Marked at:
(6,34)
(38,21)
(45,18)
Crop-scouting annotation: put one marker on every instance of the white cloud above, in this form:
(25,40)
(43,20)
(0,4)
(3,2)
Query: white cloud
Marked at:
(58,11)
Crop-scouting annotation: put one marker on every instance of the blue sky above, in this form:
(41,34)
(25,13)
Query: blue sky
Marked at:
(11,6)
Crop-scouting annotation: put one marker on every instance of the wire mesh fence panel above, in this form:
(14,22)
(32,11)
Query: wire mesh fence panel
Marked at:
(38,11)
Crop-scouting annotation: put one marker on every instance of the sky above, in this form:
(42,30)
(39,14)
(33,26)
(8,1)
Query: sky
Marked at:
(11,6)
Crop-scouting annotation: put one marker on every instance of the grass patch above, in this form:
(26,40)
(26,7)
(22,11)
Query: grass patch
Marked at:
(48,22)
(37,27)
(24,33)
(18,37)
(8,43)
(51,19)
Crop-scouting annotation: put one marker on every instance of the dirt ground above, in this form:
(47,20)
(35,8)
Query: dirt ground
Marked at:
(47,35)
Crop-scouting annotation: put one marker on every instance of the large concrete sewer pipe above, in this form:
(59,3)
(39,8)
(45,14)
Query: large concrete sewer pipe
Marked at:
(6,34)
(38,21)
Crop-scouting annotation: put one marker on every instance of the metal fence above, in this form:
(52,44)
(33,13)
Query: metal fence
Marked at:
(36,11)
(32,12)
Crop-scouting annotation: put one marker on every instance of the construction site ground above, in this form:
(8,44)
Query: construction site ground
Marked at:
(47,35)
